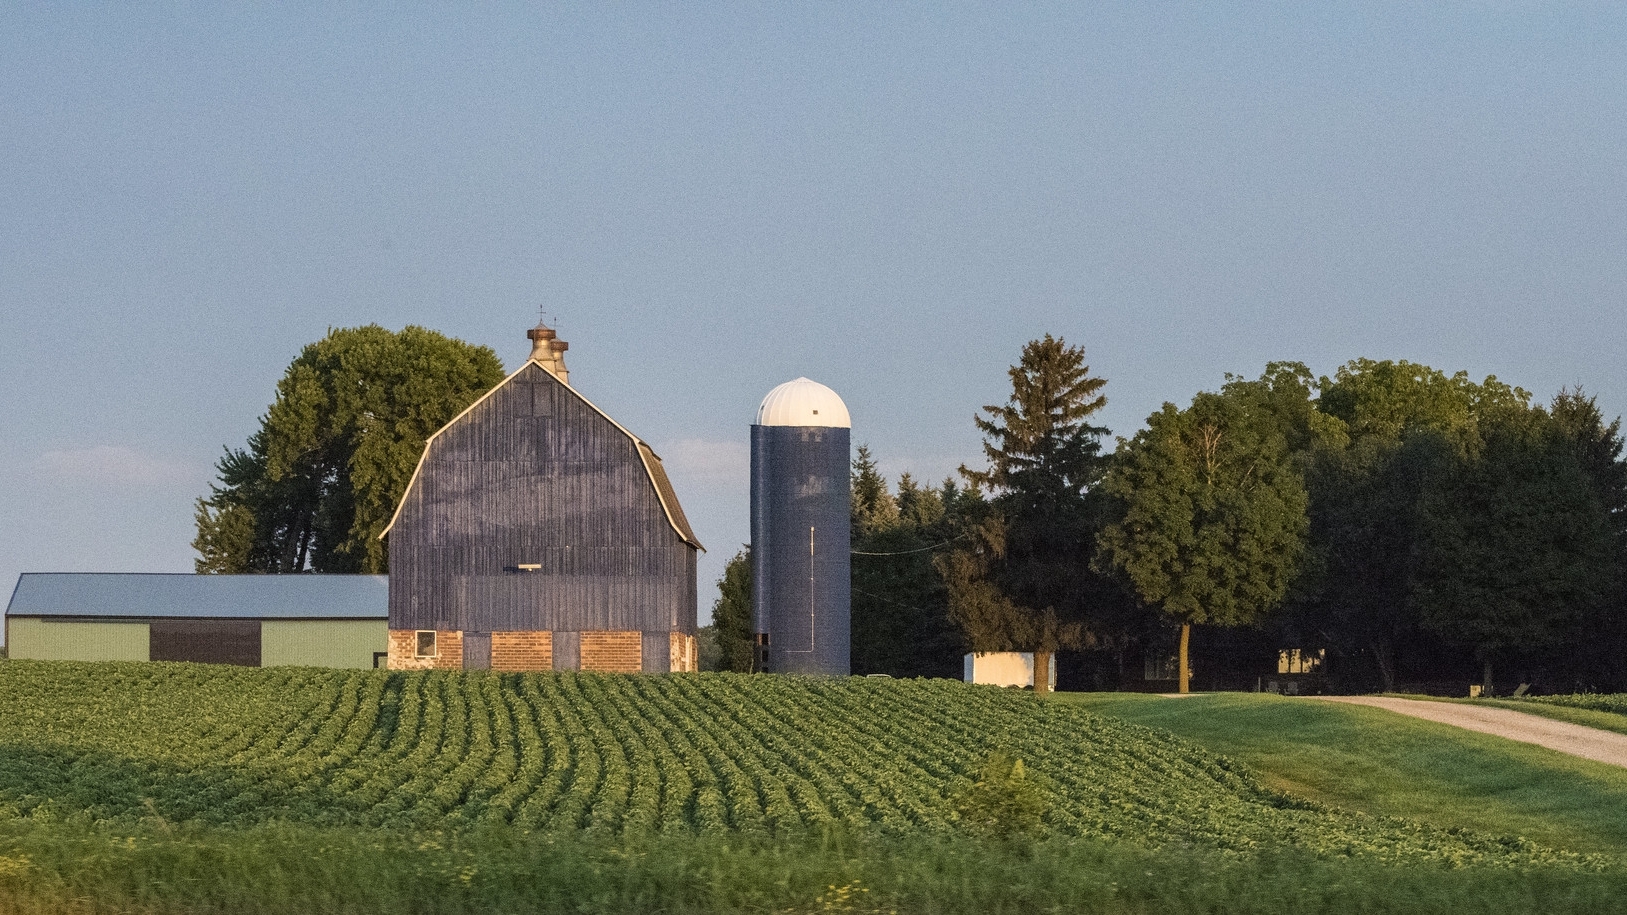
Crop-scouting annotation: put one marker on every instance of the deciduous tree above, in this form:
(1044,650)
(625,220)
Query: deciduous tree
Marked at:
(1515,545)
(1212,512)
(732,615)
(321,476)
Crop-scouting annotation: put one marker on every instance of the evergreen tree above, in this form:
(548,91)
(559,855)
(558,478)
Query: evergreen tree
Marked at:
(1040,448)
(732,620)
(900,622)
(334,453)
(1023,581)
(874,508)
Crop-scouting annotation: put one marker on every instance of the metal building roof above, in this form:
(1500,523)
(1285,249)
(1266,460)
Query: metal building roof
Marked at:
(803,402)
(142,594)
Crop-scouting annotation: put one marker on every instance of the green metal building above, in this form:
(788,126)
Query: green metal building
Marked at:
(252,620)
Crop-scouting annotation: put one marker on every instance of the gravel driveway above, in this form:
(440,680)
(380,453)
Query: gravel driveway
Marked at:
(1589,743)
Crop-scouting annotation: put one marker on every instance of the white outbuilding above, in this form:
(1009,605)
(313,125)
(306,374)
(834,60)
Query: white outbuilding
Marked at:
(1003,668)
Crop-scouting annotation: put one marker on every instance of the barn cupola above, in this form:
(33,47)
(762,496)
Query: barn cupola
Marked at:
(549,352)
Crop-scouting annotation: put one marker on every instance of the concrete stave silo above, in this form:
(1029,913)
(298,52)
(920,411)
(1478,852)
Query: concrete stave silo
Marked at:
(800,524)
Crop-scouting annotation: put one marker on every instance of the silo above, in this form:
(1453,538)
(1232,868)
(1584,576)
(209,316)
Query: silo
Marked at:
(800,520)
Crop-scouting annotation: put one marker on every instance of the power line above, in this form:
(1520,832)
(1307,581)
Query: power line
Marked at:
(907,552)
(888,600)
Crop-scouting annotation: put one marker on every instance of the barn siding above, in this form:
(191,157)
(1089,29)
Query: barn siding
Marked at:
(205,641)
(534,475)
(52,640)
(322,643)
(567,651)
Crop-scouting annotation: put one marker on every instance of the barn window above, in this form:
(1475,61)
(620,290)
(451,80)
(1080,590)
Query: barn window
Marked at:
(426,644)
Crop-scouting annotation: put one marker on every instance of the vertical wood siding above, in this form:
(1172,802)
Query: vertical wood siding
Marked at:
(567,651)
(535,476)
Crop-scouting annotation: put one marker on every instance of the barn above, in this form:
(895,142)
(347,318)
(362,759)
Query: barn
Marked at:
(250,620)
(537,533)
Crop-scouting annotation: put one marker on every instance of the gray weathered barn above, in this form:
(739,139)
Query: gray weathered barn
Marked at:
(537,533)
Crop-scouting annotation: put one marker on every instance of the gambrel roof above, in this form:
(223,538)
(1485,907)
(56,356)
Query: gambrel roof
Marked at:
(652,462)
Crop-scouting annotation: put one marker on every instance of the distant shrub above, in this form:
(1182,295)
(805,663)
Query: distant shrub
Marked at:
(1598,702)
(1002,802)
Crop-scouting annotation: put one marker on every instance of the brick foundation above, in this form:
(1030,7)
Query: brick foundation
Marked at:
(522,651)
(613,652)
(606,652)
(404,644)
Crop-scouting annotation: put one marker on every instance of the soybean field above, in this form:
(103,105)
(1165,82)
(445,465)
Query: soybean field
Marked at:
(629,754)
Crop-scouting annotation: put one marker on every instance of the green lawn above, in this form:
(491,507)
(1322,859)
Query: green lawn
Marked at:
(1382,763)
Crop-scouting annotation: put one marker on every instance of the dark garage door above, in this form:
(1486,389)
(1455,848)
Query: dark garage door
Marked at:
(206,641)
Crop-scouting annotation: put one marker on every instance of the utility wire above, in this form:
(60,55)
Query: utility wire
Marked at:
(887,600)
(907,552)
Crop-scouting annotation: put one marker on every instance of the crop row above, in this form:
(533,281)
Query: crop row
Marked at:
(622,753)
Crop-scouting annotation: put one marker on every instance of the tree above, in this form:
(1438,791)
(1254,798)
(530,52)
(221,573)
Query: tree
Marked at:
(874,508)
(1515,544)
(332,457)
(1040,448)
(1602,632)
(1212,519)
(900,619)
(732,616)
(1598,451)
(1399,428)
(1408,430)
(1023,581)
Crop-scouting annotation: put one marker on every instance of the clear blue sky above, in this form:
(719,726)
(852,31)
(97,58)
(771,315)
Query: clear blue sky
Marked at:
(713,199)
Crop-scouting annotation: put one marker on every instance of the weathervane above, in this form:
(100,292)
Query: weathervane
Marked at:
(545,319)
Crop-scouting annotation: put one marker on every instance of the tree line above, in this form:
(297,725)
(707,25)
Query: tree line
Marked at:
(1415,525)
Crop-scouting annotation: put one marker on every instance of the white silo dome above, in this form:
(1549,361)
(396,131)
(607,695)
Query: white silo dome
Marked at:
(803,403)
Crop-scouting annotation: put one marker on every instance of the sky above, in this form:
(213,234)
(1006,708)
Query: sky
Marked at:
(710,199)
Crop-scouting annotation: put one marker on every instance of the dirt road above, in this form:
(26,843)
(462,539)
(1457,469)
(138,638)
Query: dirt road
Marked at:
(1588,743)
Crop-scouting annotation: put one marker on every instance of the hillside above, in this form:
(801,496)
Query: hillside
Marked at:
(1381,763)
(172,743)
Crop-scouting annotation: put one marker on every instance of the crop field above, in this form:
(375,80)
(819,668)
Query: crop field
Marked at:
(613,755)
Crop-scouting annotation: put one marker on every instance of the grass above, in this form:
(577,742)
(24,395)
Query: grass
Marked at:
(77,868)
(1380,763)
(1604,721)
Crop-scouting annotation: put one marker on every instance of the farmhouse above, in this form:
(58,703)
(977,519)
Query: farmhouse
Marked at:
(537,533)
(251,620)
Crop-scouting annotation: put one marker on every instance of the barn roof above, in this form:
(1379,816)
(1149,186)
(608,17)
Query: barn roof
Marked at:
(651,461)
(144,594)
